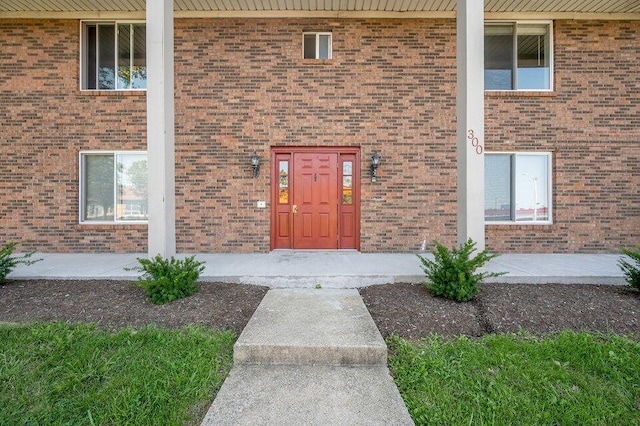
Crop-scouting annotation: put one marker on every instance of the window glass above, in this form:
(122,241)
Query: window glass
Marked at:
(131,189)
(114,187)
(283,182)
(498,57)
(324,44)
(517,188)
(517,56)
(98,188)
(114,56)
(106,55)
(497,190)
(531,188)
(347,182)
(310,46)
(533,59)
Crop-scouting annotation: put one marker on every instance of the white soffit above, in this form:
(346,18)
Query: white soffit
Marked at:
(612,9)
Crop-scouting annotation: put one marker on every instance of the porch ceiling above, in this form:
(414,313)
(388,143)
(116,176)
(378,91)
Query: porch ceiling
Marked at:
(397,6)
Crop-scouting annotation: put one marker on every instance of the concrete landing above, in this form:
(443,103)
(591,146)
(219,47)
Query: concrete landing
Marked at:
(311,326)
(309,357)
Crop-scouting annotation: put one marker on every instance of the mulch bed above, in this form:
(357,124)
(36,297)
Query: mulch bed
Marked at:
(407,310)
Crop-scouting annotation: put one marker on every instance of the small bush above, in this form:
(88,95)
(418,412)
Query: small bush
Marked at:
(168,280)
(452,274)
(631,271)
(8,262)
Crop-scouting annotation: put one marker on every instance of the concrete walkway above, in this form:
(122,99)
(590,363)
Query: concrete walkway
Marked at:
(330,269)
(309,357)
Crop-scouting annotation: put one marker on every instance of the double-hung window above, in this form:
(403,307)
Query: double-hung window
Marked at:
(316,46)
(517,187)
(113,187)
(114,56)
(518,56)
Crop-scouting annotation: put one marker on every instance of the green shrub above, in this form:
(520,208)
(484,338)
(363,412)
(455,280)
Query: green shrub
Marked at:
(631,271)
(168,280)
(452,274)
(8,262)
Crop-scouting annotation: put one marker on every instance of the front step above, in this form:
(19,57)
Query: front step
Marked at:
(311,326)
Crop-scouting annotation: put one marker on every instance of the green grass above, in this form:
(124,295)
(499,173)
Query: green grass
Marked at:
(64,374)
(567,379)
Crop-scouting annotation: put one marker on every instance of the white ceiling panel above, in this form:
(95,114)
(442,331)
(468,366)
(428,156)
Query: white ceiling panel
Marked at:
(498,6)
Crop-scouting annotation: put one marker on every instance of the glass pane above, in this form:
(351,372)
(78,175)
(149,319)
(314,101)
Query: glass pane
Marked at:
(347,168)
(497,187)
(498,57)
(139,66)
(91,57)
(98,188)
(283,182)
(347,190)
(124,56)
(131,189)
(533,58)
(532,197)
(106,57)
(324,47)
(310,46)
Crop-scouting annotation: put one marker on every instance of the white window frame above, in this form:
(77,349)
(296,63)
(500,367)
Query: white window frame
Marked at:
(317,36)
(514,172)
(515,23)
(81,187)
(84,47)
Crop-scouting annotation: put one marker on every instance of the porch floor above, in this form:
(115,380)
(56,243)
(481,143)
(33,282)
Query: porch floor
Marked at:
(329,269)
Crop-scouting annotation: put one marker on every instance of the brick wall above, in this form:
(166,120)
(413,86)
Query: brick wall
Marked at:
(242,86)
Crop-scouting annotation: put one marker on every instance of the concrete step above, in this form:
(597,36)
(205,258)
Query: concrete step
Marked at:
(311,326)
(308,395)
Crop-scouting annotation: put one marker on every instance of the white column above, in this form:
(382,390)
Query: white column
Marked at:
(470,115)
(160,128)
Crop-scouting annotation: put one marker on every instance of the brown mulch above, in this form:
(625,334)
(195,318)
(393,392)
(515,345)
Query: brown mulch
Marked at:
(118,304)
(407,310)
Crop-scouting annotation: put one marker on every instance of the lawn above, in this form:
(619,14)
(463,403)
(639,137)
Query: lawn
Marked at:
(565,379)
(76,374)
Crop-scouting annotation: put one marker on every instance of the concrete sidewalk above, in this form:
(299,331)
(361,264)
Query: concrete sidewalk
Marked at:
(330,269)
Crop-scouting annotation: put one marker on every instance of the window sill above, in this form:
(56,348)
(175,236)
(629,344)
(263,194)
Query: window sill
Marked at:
(107,223)
(141,92)
(509,223)
(520,94)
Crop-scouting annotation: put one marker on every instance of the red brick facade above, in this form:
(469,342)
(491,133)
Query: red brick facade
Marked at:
(241,86)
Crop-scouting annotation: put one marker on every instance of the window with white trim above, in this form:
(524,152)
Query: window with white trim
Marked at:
(316,45)
(518,56)
(113,187)
(517,187)
(114,56)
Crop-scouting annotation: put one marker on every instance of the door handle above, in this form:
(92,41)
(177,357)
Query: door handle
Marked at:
(295,209)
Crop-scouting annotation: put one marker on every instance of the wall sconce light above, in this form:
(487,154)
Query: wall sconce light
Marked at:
(375,162)
(255,163)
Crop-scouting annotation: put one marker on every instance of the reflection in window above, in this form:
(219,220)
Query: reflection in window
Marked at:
(114,187)
(347,182)
(517,188)
(283,182)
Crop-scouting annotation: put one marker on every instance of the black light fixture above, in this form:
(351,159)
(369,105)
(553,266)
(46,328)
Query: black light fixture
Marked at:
(255,163)
(375,162)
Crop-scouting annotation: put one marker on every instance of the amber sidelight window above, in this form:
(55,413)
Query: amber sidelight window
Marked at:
(347,182)
(283,182)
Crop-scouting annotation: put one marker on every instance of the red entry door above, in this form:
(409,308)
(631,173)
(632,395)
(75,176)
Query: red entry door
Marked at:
(314,203)
(315,198)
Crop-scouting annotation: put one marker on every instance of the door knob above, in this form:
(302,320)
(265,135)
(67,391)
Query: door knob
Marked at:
(295,208)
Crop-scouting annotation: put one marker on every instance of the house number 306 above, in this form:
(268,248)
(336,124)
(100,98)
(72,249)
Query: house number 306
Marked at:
(475,142)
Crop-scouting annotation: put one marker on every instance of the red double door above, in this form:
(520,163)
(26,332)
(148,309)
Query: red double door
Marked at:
(315,198)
